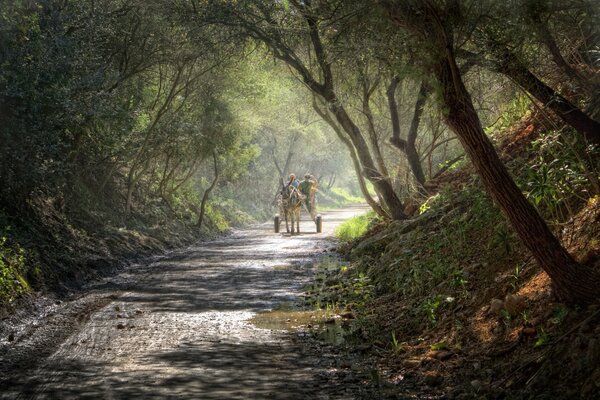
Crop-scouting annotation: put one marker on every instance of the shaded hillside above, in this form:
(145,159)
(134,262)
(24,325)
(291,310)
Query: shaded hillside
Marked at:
(458,306)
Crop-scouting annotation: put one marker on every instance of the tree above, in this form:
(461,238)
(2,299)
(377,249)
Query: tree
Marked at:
(269,23)
(432,26)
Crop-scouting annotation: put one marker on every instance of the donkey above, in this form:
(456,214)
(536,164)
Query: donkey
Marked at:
(290,202)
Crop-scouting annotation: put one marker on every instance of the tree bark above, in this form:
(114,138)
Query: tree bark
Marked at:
(368,90)
(208,190)
(566,110)
(408,146)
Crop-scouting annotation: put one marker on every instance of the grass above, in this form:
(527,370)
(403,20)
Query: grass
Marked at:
(348,198)
(354,227)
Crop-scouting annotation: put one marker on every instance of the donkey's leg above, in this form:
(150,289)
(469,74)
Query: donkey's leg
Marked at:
(287,228)
(298,220)
(292,216)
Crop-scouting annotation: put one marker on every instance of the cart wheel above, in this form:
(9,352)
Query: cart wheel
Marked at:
(276,223)
(319,222)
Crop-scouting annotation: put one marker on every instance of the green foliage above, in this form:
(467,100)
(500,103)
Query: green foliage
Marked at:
(559,313)
(13,264)
(347,198)
(426,206)
(515,278)
(515,110)
(430,307)
(355,227)
(397,346)
(560,175)
(439,346)
(353,290)
(217,220)
(543,338)
(430,255)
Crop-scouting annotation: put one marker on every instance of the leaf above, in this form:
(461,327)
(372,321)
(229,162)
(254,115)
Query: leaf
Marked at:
(439,346)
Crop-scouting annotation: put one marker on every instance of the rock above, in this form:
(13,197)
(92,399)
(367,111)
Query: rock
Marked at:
(411,363)
(496,306)
(514,304)
(529,331)
(444,355)
(363,348)
(441,355)
(120,326)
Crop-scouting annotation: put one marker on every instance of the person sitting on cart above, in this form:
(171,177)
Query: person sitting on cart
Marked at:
(308,187)
(293,182)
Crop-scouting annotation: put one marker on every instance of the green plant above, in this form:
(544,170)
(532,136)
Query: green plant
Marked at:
(354,227)
(503,239)
(430,307)
(458,279)
(12,270)
(561,173)
(439,346)
(558,315)
(428,203)
(515,110)
(514,277)
(542,338)
(396,345)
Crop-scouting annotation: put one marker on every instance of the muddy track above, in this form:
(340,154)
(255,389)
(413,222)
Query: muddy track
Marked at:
(178,327)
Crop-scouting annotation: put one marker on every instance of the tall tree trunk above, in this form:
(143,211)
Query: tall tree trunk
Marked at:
(382,183)
(208,190)
(573,282)
(408,145)
(368,90)
(355,162)
(540,25)
(567,111)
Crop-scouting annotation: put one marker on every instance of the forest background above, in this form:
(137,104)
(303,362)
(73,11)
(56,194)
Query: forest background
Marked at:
(130,125)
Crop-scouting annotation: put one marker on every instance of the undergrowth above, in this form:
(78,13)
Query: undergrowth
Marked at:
(13,269)
(355,227)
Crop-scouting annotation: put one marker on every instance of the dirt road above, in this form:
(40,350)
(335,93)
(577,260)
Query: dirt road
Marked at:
(178,328)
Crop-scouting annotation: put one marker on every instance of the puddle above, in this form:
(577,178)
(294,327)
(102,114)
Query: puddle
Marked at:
(325,325)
